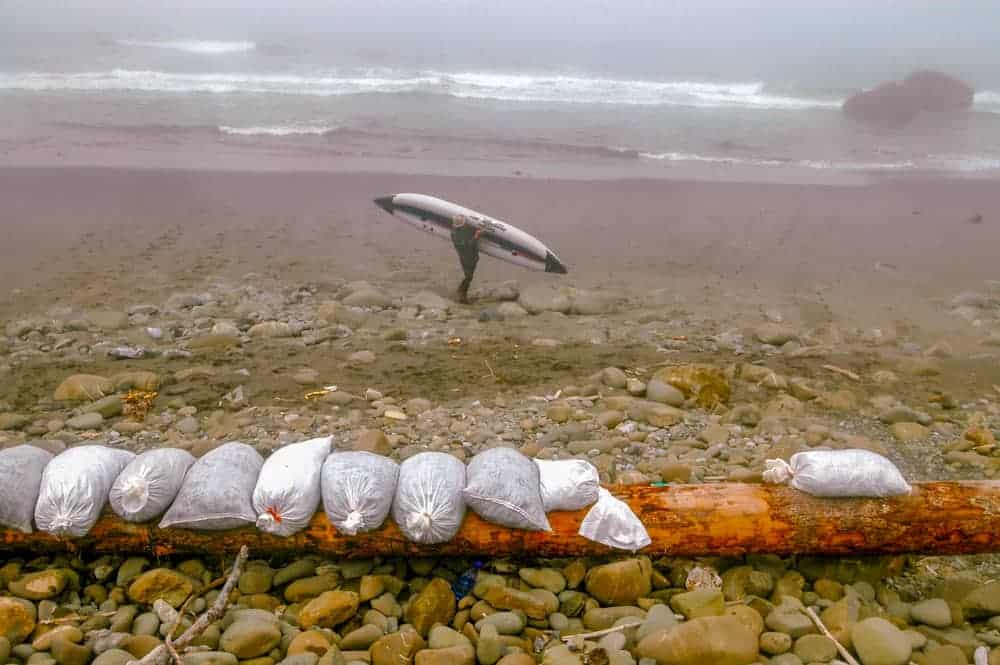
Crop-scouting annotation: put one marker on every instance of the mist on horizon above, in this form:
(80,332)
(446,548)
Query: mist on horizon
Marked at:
(844,43)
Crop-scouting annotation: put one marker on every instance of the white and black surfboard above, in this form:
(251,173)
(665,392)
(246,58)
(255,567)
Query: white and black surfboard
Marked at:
(499,239)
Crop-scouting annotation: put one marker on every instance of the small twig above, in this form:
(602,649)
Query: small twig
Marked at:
(180,614)
(601,633)
(162,654)
(843,372)
(492,373)
(169,644)
(169,641)
(840,647)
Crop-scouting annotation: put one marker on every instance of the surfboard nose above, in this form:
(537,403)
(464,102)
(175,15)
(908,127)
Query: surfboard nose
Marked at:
(385,202)
(553,264)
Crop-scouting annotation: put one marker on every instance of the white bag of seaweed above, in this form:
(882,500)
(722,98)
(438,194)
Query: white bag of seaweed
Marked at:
(428,506)
(612,523)
(149,484)
(570,484)
(21,469)
(75,487)
(838,473)
(502,487)
(358,489)
(217,492)
(288,492)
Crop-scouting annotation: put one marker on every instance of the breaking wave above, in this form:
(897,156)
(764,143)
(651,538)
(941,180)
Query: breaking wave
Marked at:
(957,163)
(467,85)
(278,130)
(987,101)
(804,163)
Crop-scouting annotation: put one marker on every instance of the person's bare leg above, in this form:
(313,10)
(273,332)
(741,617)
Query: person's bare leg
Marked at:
(463,290)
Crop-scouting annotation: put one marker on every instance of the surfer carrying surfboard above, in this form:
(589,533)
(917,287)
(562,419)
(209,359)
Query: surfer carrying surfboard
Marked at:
(465,237)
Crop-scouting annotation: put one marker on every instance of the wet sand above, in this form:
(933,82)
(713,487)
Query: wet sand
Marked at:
(871,254)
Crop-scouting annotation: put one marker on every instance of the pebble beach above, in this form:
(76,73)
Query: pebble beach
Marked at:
(152,308)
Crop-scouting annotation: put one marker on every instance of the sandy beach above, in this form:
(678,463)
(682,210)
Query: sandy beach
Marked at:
(875,251)
(859,312)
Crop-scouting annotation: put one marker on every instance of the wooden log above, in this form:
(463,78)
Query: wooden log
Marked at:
(682,520)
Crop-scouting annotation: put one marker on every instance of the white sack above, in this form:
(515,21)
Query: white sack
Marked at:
(358,489)
(428,506)
(838,473)
(570,484)
(217,493)
(612,523)
(287,493)
(21,469)
(502,487)
(75,487)
(148,485)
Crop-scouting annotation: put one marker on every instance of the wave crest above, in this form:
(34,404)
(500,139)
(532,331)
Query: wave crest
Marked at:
(987,101)
(468,85)
(278,130)
(955,163)
(803,163)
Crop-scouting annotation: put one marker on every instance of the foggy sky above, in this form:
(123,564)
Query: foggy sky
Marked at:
(742,34)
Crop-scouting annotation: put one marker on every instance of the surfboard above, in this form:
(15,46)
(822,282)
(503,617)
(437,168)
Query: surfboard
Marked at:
(499,239)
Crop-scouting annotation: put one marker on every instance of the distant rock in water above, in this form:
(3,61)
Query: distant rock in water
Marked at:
(939,92)
(897,103)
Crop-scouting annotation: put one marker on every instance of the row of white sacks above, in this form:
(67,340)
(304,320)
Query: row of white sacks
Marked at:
(232,486)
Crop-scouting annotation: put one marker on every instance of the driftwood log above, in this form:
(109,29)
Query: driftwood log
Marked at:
(682,520)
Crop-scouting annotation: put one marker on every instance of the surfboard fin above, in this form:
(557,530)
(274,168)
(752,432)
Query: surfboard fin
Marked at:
(553,264)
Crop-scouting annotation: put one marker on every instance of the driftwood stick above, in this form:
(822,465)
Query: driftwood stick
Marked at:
(600,633)
(169,641)
(172,650)
(840,647)
(843,372)
(162,654)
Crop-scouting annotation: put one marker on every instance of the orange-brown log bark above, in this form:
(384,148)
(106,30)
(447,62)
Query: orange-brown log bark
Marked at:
(682,520)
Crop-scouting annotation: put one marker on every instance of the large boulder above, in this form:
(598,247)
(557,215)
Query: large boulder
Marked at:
(939,93)
(897,103)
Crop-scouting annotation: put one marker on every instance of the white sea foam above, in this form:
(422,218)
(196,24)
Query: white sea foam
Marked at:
(965,163)
(804,163)
(469,85)
(692,157)
(987,101)
(278,130)
(857,166)
(128,80)
(573,89)
(956,163)
(199,46)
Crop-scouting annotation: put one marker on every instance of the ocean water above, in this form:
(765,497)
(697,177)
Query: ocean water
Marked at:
(269,89)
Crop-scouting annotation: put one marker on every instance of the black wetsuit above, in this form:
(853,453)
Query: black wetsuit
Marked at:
(467,245)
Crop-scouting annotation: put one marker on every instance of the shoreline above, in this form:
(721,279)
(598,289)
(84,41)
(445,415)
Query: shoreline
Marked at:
(380,152)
